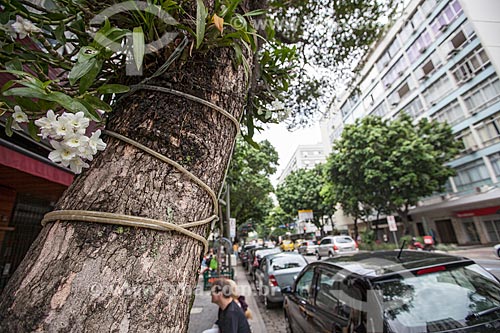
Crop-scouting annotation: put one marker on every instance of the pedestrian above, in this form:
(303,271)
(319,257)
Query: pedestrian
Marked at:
(231,317)
(239,299)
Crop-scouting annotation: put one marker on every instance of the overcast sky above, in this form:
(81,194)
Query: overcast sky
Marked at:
(286,142)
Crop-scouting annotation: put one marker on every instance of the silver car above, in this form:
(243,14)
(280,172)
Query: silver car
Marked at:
(275,272)
(308,247)
(334,245)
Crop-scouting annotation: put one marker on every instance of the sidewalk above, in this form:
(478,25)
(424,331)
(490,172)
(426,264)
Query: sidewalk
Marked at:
(475,252)
(204,312)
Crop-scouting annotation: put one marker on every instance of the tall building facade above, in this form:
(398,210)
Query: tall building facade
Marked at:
(441,60)
(305,157)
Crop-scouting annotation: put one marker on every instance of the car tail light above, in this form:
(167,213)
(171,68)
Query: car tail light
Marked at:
(335,248)
(431,270)
(272,281)
(356,245)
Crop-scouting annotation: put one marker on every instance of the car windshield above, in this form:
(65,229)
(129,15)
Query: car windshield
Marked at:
(343,240)
(446,299)
(286,262)
(287,242)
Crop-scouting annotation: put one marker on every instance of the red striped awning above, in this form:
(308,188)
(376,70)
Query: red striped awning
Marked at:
(21,162)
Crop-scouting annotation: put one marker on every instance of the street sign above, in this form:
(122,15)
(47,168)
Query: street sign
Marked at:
(391,221)
(305,214)
(232,227)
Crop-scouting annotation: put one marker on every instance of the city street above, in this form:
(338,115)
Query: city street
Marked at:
(275,321)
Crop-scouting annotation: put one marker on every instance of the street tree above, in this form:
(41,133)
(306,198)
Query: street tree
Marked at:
(301,191)
(276,222)
(249,180)
(387,166)
(170,82)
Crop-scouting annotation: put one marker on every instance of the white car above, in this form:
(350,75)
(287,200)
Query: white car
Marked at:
(497,250)
(333,245)
(308,247)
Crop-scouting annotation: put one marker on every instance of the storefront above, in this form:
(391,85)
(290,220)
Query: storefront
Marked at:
(30,185)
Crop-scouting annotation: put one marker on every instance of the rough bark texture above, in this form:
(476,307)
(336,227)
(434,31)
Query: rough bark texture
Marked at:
(87,277)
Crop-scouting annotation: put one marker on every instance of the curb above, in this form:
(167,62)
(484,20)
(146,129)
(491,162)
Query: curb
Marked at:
(256,323)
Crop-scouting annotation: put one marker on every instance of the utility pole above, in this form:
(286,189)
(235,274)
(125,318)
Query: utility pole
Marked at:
(228,216)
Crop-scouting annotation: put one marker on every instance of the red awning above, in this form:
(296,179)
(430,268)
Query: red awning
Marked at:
(16,160)
(479,212)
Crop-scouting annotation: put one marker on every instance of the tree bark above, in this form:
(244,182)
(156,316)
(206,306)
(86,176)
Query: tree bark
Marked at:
(89,277)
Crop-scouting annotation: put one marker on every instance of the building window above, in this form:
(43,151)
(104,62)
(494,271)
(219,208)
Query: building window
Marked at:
(495,162)
(419,46)
(492,227)
(471,175)
(469,144)
(395,72)
(483,95)
(451,113)
(446,17)
(475,62)
(349,104)
(415,108)
(437,90)
(381,110)
(464,35)
(430,66)
(489,130)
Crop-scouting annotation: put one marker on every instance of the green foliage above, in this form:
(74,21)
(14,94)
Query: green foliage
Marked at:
(248,177)
(388,166)
(301,190)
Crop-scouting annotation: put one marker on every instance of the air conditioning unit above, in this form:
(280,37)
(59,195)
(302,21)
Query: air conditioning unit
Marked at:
(433,103)
(388,85)
(395,100)
(444,27)
(400,73)
(423,77)
(452,53)
(422,49)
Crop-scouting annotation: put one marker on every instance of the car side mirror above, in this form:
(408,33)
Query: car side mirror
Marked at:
(286,290)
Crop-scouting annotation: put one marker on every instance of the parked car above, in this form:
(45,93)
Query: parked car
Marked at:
(392,291)
(497,250)
(244,253)
(275,272)
(308,247)
(258,254)
(286,245)
(333,245)
(297,243)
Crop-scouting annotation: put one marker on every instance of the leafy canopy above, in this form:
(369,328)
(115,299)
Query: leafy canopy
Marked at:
(301,190)
(248,177)
(389,166)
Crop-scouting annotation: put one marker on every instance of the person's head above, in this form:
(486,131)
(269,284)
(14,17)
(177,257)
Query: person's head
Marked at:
(222,292)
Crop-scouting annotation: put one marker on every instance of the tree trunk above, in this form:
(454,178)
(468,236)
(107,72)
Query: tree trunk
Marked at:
(89,277)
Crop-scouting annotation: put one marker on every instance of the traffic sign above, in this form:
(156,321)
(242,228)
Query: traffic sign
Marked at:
(391,221)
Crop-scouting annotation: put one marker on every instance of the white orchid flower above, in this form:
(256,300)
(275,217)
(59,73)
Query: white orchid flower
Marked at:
(19,117)
(24,27)
(96,143)
(76,164)
(47,124)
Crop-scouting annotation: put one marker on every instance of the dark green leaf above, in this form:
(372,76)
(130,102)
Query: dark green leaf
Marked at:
(97,103)
(80,69)
(33,130)
(113,89)
(8,126)
(88,79)
(201,18)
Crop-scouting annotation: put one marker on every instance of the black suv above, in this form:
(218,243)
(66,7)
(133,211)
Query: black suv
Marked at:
(393,291)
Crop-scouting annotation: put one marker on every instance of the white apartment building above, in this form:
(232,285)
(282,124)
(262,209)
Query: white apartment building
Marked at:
(440,60)
(305,157)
